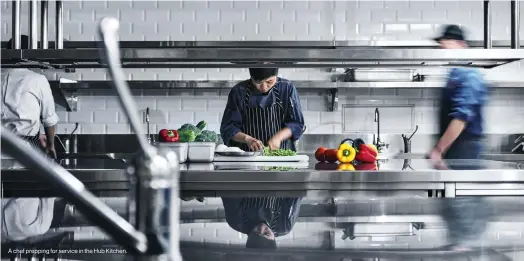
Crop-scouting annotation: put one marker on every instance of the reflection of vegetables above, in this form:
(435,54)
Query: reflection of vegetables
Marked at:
(366,154)
(326,166)
(279,168)
(331,155)
(168,135)
(186,135)
(207,136)
(345,153)
(279,152)
(319,154)
(346,166)
(366,166)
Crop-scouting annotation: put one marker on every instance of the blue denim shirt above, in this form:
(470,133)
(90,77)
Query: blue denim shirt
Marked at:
(232,119)
(464,98)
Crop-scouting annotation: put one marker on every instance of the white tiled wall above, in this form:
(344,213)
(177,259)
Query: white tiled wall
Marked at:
(272,20)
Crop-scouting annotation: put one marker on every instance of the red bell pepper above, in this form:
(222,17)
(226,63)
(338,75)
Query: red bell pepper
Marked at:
(366,154)
(169,135)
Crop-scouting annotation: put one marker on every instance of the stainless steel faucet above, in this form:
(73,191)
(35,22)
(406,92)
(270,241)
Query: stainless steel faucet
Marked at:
(378,143)
(407,141)
(147,121)
(68,146)
(154,178)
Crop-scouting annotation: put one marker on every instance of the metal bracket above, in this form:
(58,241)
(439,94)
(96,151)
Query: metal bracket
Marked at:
(71,99)
(65,98)
(333,99)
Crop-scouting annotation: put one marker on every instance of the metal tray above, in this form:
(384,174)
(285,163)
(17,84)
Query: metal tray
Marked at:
(238,153)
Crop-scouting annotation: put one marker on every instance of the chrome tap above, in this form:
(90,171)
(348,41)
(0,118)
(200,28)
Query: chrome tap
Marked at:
(69,144)
(407,141)
(147,121)
(154,175)
(378,143)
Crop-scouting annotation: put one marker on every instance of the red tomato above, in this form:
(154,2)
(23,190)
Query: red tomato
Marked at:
(319,154)
(331,156)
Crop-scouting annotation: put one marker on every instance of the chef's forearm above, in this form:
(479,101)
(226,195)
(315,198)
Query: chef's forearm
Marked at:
(50,135)
(240,137)
(454,129)
(284,134)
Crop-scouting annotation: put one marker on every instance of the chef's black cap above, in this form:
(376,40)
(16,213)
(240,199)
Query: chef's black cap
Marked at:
(260,74)
(451,32)
(24,42)
(255,240)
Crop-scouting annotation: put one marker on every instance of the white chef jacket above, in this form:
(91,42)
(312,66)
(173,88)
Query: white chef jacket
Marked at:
(27,101)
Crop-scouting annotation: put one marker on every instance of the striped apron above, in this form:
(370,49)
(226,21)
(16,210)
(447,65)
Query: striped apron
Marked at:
(259,210)
(263,123)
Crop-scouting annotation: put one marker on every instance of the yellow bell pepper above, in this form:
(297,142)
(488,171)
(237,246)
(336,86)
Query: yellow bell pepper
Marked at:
(346,166)
(346,153)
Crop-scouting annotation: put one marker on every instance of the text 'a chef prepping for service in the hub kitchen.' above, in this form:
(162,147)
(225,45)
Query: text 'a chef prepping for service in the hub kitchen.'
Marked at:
(263,111)
(461,133)
(27,104)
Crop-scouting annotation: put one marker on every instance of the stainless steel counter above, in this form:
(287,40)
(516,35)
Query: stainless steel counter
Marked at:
(108,178)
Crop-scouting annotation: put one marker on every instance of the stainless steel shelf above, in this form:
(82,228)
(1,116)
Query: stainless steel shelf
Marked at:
(291,57)
(145,85)
(273,44)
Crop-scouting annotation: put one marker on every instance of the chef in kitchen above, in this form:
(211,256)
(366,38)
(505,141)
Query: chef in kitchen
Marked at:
(262,111)
(461,133)
(262,219)
(27,105)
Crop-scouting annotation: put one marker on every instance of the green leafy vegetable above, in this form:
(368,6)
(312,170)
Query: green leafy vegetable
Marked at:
(186,135)
(190,127)
(207,136)
(279,152)
(279,168)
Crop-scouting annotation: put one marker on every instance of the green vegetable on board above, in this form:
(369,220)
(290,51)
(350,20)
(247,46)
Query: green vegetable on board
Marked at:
(279,152)
(279,168)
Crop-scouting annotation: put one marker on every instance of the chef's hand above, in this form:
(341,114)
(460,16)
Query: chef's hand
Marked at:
(51,152)
(436,158)
(43,140)
(274,143)
(254,144)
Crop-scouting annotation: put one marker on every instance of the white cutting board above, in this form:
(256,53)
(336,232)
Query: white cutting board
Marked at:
(257,165)
(297,158)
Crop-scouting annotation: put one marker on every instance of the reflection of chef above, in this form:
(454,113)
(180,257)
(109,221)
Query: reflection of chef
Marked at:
(27,103)
(262,219)
(262,111)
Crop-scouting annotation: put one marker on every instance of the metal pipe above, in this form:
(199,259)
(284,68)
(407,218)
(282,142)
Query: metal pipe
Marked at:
(33,24)
(487,25)
(44,24)
(75,192)
(16,24)
(515,25)
(59,42)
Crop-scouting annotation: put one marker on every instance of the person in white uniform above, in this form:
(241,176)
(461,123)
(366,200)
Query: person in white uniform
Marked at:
(27,104)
